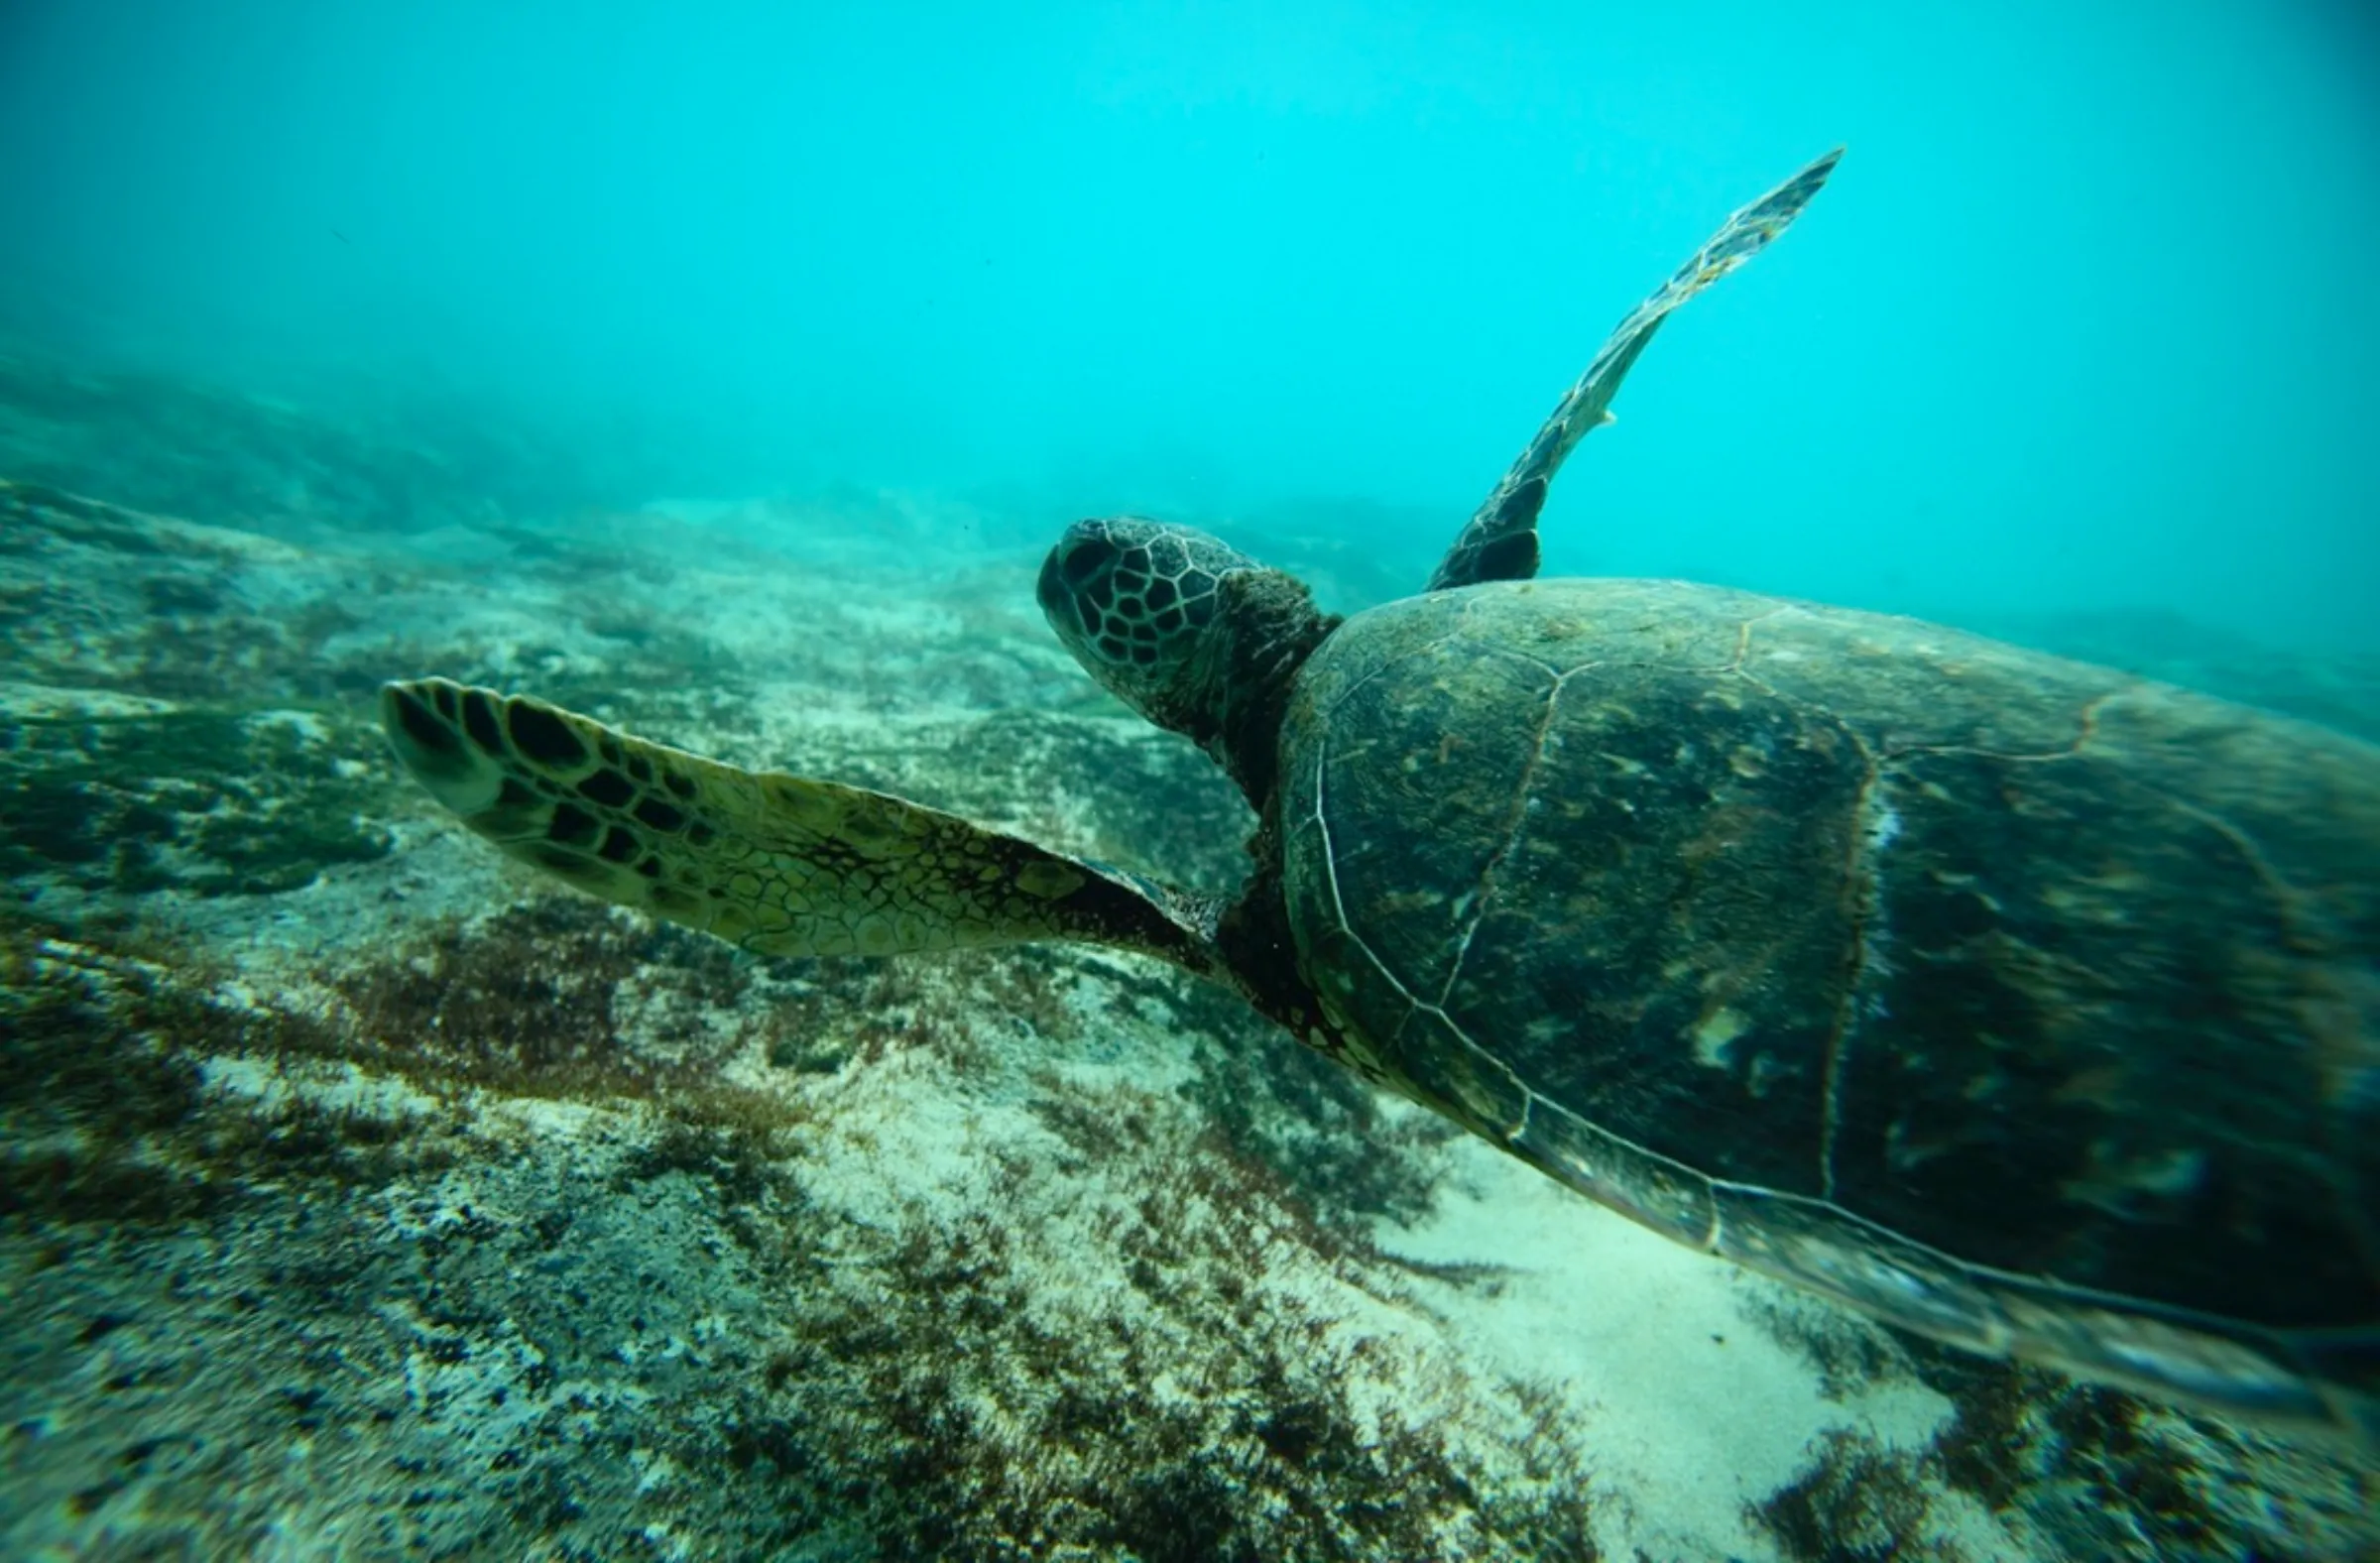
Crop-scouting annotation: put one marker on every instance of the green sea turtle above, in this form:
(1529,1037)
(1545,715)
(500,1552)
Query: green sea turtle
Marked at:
(2016,1002)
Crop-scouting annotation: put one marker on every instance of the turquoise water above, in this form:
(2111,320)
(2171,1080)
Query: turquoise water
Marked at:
(2084,322)
(722,373)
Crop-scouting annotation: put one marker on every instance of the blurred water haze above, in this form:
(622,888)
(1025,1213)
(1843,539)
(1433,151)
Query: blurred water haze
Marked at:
(2086,320)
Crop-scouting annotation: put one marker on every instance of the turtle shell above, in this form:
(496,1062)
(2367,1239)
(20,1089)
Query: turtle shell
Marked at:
(2019,1002)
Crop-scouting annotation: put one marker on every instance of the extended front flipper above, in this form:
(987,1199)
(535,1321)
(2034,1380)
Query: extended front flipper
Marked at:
(1500,541)
(780,865)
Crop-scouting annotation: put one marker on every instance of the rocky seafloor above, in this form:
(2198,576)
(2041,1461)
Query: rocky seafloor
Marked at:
(363,1196)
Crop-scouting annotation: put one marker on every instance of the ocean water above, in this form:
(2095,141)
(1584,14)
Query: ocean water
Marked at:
(723,372)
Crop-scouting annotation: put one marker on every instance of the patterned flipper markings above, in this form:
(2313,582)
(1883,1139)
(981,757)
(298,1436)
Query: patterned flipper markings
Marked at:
(780,865)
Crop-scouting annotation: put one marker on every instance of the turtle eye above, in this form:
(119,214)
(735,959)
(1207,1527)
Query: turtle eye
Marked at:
(1086,559)
(1061,594)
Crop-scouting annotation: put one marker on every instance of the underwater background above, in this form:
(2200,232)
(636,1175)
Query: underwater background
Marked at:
(2084,324)
(723,371)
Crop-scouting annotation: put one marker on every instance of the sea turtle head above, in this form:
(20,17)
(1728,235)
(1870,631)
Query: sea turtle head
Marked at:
(1184,628)
(1133,600)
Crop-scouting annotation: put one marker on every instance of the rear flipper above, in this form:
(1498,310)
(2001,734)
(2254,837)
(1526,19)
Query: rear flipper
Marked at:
(1500,541)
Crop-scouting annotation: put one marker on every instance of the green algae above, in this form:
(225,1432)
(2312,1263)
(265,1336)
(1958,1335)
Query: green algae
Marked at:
(106,1118)
(470,1331)
(208,803)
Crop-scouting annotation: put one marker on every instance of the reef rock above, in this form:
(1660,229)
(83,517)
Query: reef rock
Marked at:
(360,1197)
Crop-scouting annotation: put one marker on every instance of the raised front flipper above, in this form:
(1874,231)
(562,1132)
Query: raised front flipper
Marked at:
(1500,541)
(780,865)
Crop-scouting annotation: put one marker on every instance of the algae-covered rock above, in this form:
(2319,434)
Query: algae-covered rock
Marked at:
(208,801)
(359,1197)
(306,1270)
